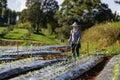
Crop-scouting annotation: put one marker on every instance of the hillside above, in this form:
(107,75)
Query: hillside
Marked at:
(97,37)
(101,37)
(18,34)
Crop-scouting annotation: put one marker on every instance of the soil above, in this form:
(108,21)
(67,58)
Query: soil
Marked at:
(95,71)
(18,43)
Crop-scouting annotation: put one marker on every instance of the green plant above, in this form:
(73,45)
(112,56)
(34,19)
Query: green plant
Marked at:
(25,25)
(116,71)
(103,35)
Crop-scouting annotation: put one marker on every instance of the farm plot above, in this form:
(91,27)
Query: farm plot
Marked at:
(59,69)
(32,48)
(25,52)
(27,68)
(21,66)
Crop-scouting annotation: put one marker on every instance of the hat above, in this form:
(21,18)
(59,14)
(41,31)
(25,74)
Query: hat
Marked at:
(75,24)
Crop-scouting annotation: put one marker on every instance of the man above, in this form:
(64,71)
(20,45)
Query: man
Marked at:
(74,39)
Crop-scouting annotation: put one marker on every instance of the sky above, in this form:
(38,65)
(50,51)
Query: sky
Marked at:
(19,5)
(112,5)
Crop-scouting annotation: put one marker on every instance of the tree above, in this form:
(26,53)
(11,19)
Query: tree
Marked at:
(117,1)
(49,8)
(40,13)
(72,10)
(23,15)
(35,16)
(85,12)
(3,5)
(116,15)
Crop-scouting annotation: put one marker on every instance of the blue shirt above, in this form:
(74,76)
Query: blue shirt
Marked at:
(75,36)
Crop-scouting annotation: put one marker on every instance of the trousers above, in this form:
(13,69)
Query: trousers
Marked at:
(75,47)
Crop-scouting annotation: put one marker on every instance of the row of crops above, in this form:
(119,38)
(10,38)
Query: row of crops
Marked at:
(34,68)
(60,70)
(111,70)
(24,52)
(30,48)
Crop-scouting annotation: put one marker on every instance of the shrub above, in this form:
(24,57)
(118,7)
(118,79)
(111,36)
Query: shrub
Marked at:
(25,25)
(63,31)
(102,34)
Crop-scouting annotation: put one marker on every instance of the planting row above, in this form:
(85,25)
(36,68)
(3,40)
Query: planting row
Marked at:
(57,70)
(30,48)
(30,53)
(19,63)
(34,51)
(111,70)
(18,67)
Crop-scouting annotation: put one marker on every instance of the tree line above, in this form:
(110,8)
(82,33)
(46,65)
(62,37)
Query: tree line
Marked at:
(48,14)
(7,16)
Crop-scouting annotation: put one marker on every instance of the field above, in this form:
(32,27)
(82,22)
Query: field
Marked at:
(99,58)
(49,63)
(18,34)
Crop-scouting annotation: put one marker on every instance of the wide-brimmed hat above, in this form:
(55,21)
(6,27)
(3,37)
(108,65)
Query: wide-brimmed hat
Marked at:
(75,24)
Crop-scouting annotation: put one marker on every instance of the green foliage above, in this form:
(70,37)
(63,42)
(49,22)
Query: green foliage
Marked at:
(102,34)
(25,25)
(7,16)
(5,30)
(63,32)
(87,47)
(49,27)
(40,14)
(101,39)
(2,29)
(113,49)
(115,71)
(26,43)
(42,38)
(116,24)
(17,34)
(24,34)
(85,12)
(72,10)
(3,3)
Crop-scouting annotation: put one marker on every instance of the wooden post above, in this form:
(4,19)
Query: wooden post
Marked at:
(17,49)
(87,47)
(118,43)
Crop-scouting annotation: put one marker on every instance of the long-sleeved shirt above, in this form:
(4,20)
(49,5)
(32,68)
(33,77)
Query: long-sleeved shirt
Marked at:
(75,36)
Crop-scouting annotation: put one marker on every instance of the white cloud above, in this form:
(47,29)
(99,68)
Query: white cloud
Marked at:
(17,5)
(22,6)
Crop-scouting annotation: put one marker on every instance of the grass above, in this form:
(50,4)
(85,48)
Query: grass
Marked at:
(116,70)
(24,35)
(2,29)
(16,34)
(101,36)
(116,24)
(42,38)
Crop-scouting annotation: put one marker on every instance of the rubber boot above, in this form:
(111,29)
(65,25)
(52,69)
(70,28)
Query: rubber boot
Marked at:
(73,55)
(78,54)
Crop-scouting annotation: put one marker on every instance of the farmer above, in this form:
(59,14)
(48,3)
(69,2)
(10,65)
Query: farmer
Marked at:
(74,39)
